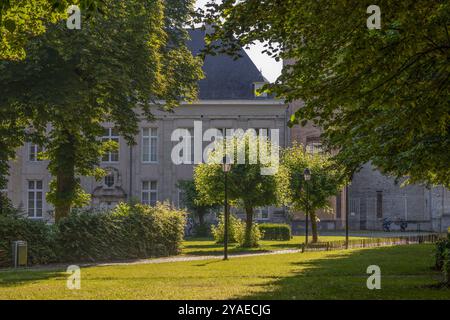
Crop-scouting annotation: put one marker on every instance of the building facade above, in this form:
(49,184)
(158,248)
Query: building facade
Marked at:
(228,99)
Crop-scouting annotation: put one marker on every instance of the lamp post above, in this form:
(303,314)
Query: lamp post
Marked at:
(347,209)
(226,168)
(307,177)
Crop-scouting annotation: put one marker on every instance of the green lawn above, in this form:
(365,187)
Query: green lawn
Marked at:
(406,274)
(206,246)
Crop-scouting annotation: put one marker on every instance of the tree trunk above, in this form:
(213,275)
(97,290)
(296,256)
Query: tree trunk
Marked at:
(65,178)
(248,227)
(201,217)
(315,236)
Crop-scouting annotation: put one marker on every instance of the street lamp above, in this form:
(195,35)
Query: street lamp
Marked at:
(347,210)
(307,177)
(226,167)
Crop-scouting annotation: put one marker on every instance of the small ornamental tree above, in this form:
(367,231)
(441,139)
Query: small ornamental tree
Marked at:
(248,188)
(308,196)
(192,200)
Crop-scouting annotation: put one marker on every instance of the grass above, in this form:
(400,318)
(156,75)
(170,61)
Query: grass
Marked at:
(206,246)
(405,271)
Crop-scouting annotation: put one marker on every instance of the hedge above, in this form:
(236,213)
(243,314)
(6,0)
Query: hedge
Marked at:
(39,235)
(275,231)
(127,232)
(234,227)
(442,258)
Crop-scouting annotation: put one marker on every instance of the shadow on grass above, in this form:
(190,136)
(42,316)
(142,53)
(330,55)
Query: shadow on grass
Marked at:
(405,274)
(283,246)
(19,277)
(195,247)
(219,251)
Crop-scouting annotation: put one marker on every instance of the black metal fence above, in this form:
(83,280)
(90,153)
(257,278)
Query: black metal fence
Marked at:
(371,242)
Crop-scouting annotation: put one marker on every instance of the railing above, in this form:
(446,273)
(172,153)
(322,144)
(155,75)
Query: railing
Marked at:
(371,242)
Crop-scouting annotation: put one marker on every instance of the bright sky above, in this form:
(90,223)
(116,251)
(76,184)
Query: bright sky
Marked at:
(270,68)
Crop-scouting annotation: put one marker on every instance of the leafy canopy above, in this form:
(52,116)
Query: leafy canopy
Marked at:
(21,20)
(380,95)
(308,196)
(192,200)
(247,187)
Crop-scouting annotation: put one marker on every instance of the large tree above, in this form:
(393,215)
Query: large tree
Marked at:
(248,187)
(381,95)
(327,179)
(118,66)
(22,20)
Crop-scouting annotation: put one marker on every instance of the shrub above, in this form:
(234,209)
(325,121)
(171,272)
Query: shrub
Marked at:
(441,246)
(88,235)
(202,230)
(446,267)
(275,231)
(234,227)
(442,255)
(129,231)
(39,236)
(236,231)
(255,236)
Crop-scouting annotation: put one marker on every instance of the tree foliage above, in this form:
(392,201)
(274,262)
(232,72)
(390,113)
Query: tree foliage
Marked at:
(21,20)
(380,95)
(193,202)
(247,187)
(327,179)
(115,69)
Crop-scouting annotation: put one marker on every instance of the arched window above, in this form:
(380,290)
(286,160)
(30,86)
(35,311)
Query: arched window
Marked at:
(109,179)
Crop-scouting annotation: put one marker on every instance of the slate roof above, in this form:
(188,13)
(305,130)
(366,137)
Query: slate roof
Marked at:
(225,78)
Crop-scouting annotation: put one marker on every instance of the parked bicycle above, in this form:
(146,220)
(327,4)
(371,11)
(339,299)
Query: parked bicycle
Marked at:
(387,224)
(402,224)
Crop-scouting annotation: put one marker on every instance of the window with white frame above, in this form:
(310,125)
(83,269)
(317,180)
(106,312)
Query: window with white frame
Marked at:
(109,179)
(150,145)
(314,148)
(263,132)
(111,134)
(188,138)
(191,133)
(33,152)
(149,192)
(313,145)
(262,213)
(227,134)
(35,198)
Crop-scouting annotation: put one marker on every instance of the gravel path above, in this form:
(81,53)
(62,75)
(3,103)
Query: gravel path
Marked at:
(155,260)
(198,258)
